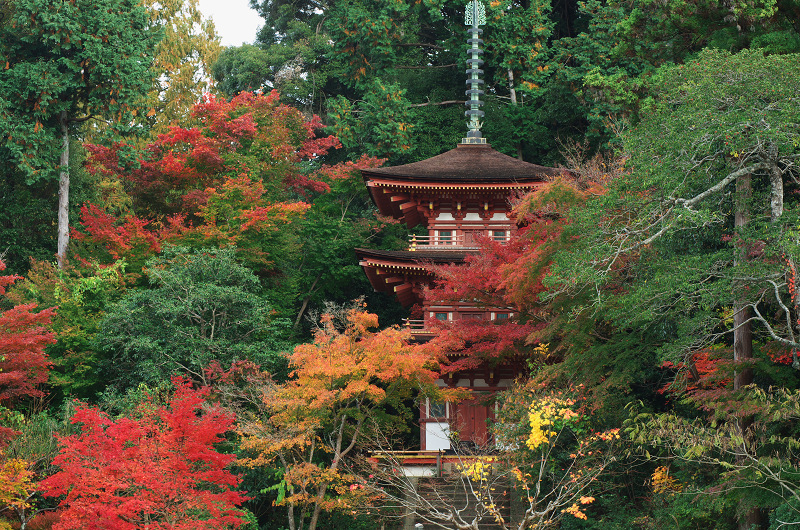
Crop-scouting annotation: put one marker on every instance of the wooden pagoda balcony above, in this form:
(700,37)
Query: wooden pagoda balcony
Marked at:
(418,329)
(448,243)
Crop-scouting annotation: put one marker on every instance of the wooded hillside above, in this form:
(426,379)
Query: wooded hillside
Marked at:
(187,339)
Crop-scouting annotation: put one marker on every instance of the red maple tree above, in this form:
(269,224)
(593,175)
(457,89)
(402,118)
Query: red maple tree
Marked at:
(157,469)
(504,276)
(23,338)
(234,179)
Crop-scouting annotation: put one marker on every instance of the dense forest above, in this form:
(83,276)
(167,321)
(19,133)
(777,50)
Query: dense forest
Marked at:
(187,339)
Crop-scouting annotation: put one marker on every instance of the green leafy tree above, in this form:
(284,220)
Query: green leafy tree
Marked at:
(82,297)
(203,307)
(603,67)
(66,65)
(391,74)
(716,120)
(764,459)
(696,244)
(242,68)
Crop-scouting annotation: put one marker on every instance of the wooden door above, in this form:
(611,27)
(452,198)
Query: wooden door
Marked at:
(470,422)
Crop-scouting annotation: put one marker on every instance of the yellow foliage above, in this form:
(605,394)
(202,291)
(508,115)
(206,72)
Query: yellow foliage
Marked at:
(15,483)
(664,483)
(541,416)
(479,470)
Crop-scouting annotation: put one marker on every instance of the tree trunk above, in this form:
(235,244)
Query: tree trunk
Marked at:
(63,196)
(312,524)
(303,307)
(512,92)
(776,192)
(742,330)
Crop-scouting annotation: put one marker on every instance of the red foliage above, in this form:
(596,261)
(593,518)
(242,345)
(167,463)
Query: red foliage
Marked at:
(119,236)
(43,521)
(782,355)
(708,371)
(467,344)
(230,180)
(23,338)
(156,470)
(503,275)
(250,135)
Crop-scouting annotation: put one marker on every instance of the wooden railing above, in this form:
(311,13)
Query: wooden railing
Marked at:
(439,242)
(434,242)
(417,327)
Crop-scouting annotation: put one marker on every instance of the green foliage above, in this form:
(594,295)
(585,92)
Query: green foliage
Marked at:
(319,266)
(27,211)
(82,298)
(652,268)
(36,441)
(666,228)
(685,511)
(241,68)
(182,62)
(25,221)
(203,307)
(61,70)
(753,468)
(785,513)
(379,125)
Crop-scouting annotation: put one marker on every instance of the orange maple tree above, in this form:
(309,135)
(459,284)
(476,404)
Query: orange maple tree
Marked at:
(157,469)
(338,400)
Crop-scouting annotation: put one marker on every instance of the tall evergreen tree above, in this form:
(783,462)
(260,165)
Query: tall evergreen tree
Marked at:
(67,62)
(183,59)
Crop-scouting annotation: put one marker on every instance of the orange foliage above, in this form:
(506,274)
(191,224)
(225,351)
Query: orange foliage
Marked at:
(340,382)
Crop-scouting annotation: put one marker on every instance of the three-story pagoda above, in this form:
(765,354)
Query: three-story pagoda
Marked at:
(457,196)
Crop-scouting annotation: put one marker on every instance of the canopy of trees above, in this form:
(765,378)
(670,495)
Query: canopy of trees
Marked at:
(171,208)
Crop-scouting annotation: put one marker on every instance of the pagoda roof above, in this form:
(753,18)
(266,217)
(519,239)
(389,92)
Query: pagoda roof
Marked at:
(466,164)
(409,258)
(401,271)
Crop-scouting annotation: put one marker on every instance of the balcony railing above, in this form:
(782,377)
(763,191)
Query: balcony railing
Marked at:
(417,327)
(437,242)
(444,243)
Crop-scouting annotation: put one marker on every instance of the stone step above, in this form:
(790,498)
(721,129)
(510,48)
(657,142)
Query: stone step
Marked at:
(455,491)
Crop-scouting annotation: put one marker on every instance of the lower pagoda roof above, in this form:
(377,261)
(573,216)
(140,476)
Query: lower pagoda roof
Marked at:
(413,257)
(403,272)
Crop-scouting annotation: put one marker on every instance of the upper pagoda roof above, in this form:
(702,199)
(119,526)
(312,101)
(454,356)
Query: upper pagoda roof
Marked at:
(467,163)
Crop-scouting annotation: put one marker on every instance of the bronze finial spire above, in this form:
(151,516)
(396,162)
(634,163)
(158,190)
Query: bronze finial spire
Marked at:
(475,16)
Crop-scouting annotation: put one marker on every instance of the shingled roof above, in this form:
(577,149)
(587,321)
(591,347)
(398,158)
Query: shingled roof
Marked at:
(413,258)
(466,163)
